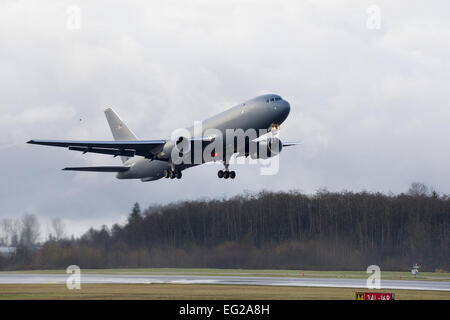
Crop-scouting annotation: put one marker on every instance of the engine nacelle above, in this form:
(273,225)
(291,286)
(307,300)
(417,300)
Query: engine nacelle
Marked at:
(265,149)
(183,145)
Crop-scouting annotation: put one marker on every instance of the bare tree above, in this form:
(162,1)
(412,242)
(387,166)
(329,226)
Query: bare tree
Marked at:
(5,234)
(418,189)
(9,231)
(15,232)
(30,230)
(58,227)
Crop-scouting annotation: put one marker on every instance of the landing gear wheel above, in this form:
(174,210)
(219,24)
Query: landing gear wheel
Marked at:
(178,174)
(232,174)
(226,175)
(166,173)
(172,175)
(220,174)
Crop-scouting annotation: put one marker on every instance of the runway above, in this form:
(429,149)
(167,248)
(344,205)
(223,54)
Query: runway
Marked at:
(230,280)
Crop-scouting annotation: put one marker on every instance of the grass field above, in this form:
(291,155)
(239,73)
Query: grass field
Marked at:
(197,292)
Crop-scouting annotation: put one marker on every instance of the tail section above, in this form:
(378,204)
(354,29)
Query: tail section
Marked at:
(119,129)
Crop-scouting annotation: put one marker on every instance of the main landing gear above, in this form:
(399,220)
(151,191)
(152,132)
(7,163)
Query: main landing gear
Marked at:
(226,173)
(172,174)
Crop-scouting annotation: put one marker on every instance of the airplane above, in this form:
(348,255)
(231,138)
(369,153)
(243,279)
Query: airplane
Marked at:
(151,160)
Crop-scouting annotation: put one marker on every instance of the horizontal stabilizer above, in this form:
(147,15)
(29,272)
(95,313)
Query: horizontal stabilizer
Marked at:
(99,169)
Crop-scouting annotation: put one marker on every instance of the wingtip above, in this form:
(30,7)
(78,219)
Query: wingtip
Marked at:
(30,141)
(289,144)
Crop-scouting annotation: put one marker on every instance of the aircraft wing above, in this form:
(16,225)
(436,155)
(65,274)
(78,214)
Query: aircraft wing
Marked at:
(144,148)
(99,169)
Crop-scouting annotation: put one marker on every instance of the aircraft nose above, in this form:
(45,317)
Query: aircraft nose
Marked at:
(285,108)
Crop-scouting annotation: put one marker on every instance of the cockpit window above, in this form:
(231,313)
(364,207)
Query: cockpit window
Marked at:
(273,99)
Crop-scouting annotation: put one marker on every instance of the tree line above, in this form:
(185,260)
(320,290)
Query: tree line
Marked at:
(291,230)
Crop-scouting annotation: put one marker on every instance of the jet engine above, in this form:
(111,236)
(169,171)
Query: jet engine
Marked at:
(183,145)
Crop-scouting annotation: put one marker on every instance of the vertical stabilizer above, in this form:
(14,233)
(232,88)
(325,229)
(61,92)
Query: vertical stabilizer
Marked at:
(119,129)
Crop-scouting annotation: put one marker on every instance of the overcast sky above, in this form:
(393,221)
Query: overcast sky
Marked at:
(368,83)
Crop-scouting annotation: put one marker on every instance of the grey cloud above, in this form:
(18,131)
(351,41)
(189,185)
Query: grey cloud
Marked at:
(370,106)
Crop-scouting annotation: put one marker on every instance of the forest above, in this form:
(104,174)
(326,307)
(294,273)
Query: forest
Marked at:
(276,230)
